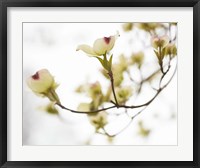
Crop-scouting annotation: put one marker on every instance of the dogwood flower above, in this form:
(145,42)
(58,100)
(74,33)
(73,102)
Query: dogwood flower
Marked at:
(127,27)
(137,58)
(84,107)
(123,94)
(171,50)
(160,41)
(42,83)
(49,108)
(100,46)
(98,120)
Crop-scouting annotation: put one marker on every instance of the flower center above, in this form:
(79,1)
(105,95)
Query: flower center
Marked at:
(36,76)
(107,39)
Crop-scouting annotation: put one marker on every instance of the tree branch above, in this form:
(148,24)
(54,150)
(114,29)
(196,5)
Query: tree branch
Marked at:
(146,105)
(123,106)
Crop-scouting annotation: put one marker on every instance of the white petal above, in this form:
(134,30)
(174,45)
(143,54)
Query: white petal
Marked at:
(87,49)
(100,46)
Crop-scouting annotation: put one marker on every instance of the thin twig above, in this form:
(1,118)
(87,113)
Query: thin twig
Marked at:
(113,87)
(85,112)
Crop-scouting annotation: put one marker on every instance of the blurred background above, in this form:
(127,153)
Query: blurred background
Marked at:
(53,46)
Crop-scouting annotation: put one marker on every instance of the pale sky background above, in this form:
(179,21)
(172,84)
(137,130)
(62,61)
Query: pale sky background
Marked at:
(53,46)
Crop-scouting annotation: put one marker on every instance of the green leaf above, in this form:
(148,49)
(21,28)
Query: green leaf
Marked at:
(51,109)
(106,63)
(157,54)
(102,62)
(110,62)
(163,52)
(52,95)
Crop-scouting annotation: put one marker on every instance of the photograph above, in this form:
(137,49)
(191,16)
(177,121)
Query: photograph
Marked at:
(100,83)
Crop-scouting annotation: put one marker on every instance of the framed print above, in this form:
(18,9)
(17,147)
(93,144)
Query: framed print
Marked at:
(99,84)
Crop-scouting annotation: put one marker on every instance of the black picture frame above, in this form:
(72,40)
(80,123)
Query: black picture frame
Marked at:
(4,4)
